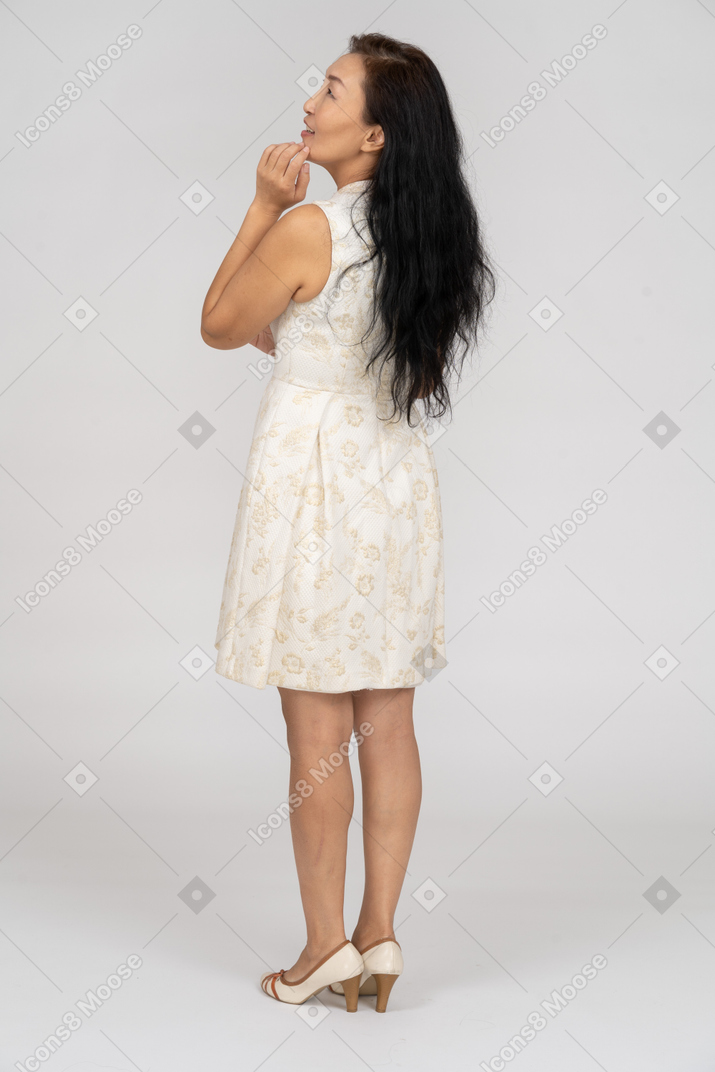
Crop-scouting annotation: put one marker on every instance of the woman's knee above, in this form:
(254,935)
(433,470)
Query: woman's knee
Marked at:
(388,703)
(317,721)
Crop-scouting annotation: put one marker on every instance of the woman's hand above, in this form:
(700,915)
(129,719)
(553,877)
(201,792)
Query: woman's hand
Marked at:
(276,174)
(264,341)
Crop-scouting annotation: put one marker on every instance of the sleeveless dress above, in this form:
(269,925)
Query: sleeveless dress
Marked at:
(335,574)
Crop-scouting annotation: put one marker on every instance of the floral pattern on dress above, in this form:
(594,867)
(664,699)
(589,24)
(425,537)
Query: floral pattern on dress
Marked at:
(335,574)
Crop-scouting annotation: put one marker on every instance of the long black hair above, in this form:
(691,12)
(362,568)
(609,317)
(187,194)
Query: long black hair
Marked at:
(433,278)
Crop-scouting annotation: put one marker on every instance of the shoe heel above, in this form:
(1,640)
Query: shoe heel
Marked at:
(385,984)
(351,988)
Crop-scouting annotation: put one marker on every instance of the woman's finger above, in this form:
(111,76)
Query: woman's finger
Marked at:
(278,170)
(278,161)
(301,186)
(296,163)
(281,148)
(295,167)
(272,154)
(290,149)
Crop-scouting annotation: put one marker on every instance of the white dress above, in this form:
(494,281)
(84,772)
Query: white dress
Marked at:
(335,575)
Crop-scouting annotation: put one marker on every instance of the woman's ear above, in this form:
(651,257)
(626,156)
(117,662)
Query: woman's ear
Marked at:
(375,139)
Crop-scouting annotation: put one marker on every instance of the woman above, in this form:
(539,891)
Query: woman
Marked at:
(334,585)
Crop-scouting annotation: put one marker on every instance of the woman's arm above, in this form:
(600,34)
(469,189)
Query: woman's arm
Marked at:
(257,223)
(264,341)
(257,260)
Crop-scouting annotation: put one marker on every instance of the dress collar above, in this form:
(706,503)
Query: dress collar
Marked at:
(351,188)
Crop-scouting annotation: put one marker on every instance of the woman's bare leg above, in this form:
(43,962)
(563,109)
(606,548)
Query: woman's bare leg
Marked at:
(317,724)
(392,794)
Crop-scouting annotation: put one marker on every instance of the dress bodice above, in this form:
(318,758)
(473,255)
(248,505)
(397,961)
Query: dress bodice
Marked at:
(318,342)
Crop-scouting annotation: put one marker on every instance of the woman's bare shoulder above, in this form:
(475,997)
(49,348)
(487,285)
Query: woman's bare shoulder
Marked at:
(304,237)
(306,224)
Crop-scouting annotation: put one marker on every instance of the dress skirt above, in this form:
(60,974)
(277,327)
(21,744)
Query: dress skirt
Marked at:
(335,574)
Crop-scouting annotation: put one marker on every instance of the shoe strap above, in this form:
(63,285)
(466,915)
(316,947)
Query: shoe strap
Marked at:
(320,963)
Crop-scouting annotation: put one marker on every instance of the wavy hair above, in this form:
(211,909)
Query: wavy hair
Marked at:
(433,277)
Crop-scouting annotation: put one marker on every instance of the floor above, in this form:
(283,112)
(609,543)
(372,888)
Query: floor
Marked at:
(489,936)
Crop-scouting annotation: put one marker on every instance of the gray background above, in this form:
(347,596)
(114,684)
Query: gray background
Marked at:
(529,879)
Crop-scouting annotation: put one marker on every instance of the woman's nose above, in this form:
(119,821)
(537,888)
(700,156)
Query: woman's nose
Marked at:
(311,100)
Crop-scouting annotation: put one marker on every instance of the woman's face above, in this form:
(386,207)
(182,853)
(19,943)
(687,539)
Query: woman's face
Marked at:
(334,114)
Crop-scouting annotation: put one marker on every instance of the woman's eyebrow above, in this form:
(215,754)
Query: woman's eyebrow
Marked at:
(334,78)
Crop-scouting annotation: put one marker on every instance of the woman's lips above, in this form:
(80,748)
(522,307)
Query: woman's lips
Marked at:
(307,133)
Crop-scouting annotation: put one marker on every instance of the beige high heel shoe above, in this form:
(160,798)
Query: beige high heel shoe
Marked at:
(383,964)
(344,963)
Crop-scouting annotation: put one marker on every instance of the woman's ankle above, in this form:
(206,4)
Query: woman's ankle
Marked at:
(364,936)
(320,945)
